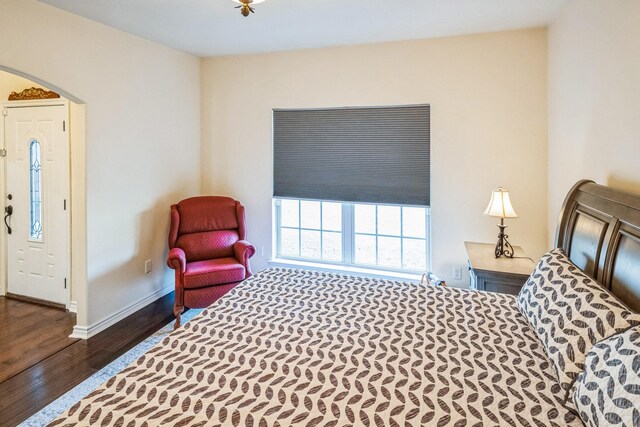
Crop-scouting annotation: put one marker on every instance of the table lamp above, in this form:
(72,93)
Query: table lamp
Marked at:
(500,207)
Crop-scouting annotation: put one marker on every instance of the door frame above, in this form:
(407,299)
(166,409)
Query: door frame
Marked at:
(3,191)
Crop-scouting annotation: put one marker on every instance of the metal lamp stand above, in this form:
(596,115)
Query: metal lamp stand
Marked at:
(503,247)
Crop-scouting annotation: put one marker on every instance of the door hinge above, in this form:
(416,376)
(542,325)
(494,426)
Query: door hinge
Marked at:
(64,126)
(65,283)
(5,112)
(65,204)
(3,152)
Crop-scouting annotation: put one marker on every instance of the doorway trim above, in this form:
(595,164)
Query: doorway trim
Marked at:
(31,104)
(77,256)
(59,102)
(78,272)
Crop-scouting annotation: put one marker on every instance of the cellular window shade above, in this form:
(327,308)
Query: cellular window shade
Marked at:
(370,155)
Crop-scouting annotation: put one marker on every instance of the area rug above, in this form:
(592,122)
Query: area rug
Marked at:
(64,402)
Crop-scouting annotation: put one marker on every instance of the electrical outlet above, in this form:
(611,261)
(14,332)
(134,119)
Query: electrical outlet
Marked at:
(457,273)
(148,266)
(261,250)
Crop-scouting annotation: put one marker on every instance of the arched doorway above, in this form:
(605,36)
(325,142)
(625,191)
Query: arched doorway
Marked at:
(74,203)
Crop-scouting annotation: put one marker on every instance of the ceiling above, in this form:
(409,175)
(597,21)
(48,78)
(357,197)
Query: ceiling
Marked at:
(214,27)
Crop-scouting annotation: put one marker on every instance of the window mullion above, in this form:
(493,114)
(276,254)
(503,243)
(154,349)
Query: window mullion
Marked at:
(278,230)
(402,237)
(377,238)
(348,233)
(299,228)
(321,231)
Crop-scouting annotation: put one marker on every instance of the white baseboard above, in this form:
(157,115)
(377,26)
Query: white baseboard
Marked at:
(86,332)
(73,306)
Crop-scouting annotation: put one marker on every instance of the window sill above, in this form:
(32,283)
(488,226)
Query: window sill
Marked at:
(344,269)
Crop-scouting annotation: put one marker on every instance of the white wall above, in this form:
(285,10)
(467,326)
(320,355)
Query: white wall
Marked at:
(142,139)
(594,98)
(488,96)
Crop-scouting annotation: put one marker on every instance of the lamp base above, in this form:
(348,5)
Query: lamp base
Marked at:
(503,247)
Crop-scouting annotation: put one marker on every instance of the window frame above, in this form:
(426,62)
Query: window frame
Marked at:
(348,237)
(300,228)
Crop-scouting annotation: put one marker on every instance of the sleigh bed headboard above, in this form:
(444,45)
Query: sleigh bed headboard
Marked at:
(599,228)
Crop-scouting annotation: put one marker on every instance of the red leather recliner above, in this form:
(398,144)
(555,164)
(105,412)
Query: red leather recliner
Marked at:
(207,250)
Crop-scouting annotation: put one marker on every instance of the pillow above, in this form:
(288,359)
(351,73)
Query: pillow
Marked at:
(570,313)
(607,392)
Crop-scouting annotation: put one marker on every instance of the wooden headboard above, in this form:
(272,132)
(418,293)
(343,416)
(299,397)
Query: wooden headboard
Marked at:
(599,228)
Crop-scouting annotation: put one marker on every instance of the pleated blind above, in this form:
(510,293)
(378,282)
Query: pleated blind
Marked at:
(370,155)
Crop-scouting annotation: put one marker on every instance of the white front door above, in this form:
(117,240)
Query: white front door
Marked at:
(37,189)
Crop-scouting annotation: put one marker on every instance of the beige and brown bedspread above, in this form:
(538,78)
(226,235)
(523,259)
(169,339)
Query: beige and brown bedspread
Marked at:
(292,347)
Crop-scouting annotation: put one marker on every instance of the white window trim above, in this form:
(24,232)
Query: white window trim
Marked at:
(346,267)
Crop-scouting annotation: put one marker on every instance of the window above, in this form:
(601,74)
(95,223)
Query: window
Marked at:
(311,229)
(388,237)
(352,185)
(35,194)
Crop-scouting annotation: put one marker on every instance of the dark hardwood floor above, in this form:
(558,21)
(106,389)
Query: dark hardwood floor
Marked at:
(29,391)
(30,333)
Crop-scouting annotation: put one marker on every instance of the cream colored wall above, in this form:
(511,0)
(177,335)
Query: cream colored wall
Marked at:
(489,126)
(12,83)
(594,98)
(142,140)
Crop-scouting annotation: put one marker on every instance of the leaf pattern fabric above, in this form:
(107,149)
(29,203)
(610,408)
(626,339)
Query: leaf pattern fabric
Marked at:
(607,392)
(293,347)
(570,313)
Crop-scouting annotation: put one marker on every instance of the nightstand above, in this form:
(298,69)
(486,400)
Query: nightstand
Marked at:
(488,273)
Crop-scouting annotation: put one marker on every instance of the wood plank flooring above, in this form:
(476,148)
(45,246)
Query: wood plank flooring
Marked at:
(30,333)
(31,390)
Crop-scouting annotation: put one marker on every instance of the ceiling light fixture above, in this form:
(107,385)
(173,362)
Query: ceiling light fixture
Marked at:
(246,6)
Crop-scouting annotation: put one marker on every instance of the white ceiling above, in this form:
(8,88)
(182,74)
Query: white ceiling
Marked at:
(214,27)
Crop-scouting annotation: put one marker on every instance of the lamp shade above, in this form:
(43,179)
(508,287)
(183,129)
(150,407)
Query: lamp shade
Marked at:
(500,205)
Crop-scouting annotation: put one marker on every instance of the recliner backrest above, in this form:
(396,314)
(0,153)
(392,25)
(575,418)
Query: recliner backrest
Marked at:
(208,226)
(207,213)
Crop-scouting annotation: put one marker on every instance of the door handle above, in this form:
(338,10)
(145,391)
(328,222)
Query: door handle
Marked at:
(9,211)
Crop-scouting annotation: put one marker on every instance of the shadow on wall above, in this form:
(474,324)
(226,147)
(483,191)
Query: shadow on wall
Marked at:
(153,234)
(623,184)
(151,244)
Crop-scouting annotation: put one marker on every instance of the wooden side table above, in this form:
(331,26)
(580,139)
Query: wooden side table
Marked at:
(488,273)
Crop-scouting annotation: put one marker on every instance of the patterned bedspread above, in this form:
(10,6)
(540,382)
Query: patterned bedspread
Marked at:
(293,347)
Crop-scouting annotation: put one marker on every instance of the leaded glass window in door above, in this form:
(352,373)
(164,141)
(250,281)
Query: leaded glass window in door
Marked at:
(35,194)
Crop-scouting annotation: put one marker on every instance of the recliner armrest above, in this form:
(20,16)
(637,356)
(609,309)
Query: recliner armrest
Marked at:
(243,250)
(177,260)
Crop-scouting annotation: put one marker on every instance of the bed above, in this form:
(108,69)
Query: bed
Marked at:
(294,347)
